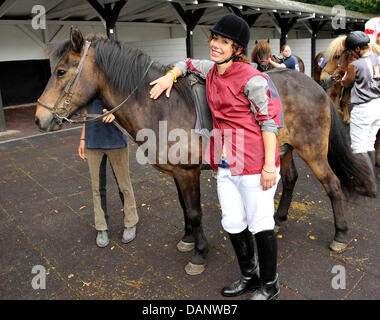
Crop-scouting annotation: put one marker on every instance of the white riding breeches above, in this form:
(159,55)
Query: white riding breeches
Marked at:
(364,124)
(244,203)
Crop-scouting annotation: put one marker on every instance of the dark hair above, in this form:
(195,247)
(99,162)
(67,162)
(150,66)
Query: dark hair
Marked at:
(242,57)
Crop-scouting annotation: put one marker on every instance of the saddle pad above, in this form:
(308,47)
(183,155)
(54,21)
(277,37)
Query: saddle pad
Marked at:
(203,125)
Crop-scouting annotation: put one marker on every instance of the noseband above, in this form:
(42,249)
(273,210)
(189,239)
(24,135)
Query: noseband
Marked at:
(74,79)
(264,60)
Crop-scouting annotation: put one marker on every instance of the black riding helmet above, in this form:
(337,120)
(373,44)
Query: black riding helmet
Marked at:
(356,39)
(234,28)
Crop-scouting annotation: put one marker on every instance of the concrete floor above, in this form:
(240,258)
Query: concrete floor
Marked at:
(46,220)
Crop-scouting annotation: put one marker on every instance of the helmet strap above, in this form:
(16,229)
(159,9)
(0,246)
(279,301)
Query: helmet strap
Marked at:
(227,60)
(358,53)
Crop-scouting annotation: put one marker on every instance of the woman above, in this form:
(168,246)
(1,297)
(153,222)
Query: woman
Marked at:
(289,61)
(101,140)
(240,103)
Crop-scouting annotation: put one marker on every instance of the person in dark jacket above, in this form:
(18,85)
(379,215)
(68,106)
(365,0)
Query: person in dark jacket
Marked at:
(288,60)
(99,141)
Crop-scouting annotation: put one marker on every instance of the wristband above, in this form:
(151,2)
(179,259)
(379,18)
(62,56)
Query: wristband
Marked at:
(269,171)
(173,73)
(82,139)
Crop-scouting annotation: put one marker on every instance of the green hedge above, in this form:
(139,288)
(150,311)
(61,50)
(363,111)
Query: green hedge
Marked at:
(364,6)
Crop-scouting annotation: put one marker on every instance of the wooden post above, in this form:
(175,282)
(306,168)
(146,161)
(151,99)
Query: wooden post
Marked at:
(316,26)
(190,18)
(249,18)
(109,14)
(285,24)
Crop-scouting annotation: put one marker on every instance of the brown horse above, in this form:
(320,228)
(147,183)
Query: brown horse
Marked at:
(262,51)
(338,60)
(106,70)
(336,56)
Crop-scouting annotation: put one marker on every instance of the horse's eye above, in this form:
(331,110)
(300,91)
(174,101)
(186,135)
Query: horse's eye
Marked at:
(337,56)
(61,72)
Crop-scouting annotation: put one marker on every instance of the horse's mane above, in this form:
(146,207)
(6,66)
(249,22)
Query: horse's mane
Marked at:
(336,47)
(122,67)
(260,48)
(375,47)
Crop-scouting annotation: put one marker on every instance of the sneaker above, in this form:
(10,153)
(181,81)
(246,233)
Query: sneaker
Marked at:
(102,239)
(129,234)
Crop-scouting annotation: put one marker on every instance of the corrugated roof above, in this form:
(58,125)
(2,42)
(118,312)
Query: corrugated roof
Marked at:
(296,6)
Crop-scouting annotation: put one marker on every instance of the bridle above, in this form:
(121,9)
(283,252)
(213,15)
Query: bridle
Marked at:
(72,83)
(264,60)
(339,65)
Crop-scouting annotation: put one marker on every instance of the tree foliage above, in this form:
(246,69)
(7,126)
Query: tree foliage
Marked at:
(364,6)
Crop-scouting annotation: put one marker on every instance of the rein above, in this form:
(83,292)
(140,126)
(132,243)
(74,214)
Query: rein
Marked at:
(74,79)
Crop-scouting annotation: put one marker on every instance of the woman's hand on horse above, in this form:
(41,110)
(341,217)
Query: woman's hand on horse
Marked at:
(160,85)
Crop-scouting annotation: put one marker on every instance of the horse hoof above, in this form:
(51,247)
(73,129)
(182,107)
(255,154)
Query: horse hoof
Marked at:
(338,247)
(185,246)
(194,269)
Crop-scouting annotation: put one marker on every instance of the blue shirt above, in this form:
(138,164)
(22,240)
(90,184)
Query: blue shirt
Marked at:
(291,63)
(100,135)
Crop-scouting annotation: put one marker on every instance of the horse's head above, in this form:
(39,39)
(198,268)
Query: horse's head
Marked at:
(260,54)
(72,85)
(337,55)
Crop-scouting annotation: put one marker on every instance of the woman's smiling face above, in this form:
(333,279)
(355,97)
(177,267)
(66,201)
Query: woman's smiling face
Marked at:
(220,48)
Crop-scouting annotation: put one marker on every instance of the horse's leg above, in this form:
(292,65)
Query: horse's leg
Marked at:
(377,148)
(322,170)
(289,177)
(187,242)
(189,184)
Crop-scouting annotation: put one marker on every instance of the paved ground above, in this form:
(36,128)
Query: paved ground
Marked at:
(46,220)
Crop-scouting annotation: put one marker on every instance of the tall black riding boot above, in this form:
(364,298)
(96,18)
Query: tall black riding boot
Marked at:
(267,250)
(245,252)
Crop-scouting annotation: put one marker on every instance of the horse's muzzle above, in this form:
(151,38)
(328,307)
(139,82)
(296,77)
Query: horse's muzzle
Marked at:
(326,83)
(47,124)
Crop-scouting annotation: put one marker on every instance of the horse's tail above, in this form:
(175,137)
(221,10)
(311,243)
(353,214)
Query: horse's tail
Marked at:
(351,169)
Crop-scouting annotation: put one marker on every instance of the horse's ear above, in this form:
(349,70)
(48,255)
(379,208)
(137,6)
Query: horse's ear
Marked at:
(76,39)
(256,42)
(268,41)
